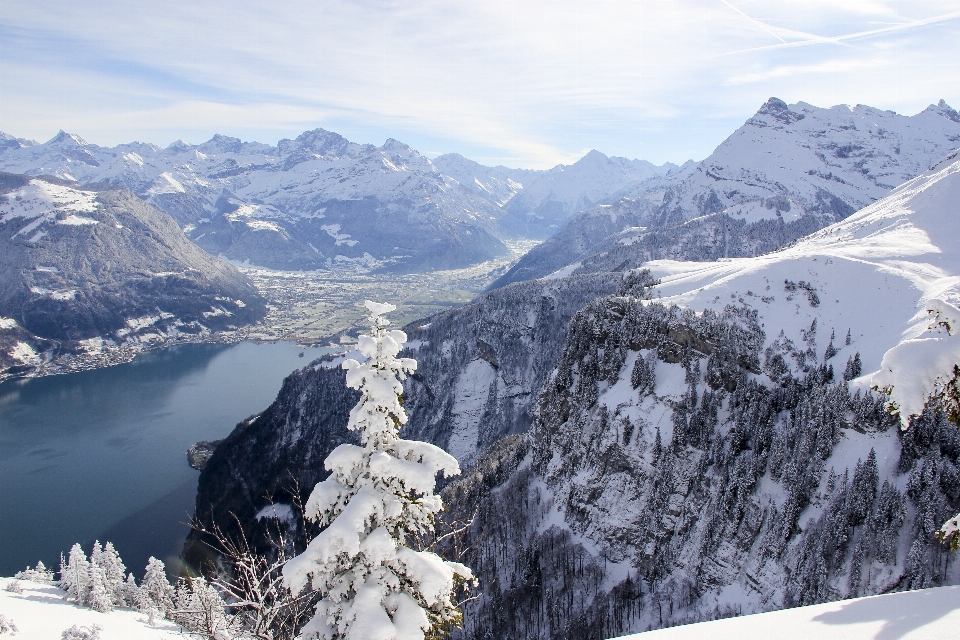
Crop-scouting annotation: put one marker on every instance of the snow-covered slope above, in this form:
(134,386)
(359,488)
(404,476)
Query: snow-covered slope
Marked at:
(883,272)
(717,451)
(915,615)
(81,270)
(41,612)
(788,171)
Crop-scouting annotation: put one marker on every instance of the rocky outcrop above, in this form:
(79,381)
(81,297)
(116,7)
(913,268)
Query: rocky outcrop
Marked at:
(643,500)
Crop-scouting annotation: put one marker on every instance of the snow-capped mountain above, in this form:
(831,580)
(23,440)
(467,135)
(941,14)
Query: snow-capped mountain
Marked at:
(788,171)
(321,200)
(538,203)
(714,451)
(81,268)
(306,203)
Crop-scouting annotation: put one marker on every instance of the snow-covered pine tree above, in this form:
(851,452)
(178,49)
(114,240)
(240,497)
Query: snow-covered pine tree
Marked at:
(156,593)
(40,574)
(130,592)
(113,569)
(99,598)
(373,586)
(75,575)
(199,608)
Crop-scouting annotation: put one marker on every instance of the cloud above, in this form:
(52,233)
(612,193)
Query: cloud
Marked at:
(790,71)
(532,83)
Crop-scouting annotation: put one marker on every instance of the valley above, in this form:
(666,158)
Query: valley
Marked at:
(314,307)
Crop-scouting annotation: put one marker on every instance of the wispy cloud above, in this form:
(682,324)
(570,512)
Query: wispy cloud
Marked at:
(531,83)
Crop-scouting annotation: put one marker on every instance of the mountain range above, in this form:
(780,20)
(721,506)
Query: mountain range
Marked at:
(788,171)
(321,201)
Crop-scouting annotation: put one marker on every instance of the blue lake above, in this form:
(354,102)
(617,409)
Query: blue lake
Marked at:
(102,454)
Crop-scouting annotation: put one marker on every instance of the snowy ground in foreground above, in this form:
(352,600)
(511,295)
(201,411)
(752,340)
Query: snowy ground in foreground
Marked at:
(911,615)
(41,613)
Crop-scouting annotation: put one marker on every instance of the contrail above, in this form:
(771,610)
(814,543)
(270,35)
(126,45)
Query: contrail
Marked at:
(814,39)
(756,22)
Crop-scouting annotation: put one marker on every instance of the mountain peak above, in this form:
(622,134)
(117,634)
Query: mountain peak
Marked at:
(319,141)
(594,155)
(946,110)
(223,143)
(63,139)
(778,110)
(395,145)
(179,145)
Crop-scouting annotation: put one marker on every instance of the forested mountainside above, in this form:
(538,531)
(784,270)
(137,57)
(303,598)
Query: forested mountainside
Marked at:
(788,171)
(82,267)
(537,203)
(714,451)
(687,465)
(480,369)
(667,481)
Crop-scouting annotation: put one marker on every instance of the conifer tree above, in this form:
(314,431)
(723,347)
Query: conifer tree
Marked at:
(75,575)
(155,590)
(373,586)
(113,572)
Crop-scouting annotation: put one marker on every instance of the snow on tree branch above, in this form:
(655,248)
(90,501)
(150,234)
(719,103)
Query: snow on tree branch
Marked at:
(373,586)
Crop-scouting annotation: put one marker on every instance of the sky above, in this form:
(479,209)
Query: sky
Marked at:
(523,83)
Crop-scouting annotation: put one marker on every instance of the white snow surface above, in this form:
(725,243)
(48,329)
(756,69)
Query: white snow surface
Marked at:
(282,512)
(880,273)
(40,203)
(25,353)
(925,614)
(42,613)
(472,391)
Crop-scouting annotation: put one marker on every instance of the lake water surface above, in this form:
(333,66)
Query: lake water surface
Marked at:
(102,454)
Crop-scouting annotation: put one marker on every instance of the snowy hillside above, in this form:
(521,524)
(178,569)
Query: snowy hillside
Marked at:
(915,615)
(40,612)
(788,171)
(883,273)
(84,271)
(717,451)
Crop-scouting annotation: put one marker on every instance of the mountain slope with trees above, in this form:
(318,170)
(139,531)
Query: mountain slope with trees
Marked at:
(83,268)
(714,451)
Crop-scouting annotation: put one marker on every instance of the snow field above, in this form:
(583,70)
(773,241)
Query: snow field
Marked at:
(880,273)
(40,612)
(925,614)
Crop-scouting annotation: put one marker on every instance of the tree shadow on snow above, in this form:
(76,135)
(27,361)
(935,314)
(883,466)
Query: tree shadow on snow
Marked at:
(901,614)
